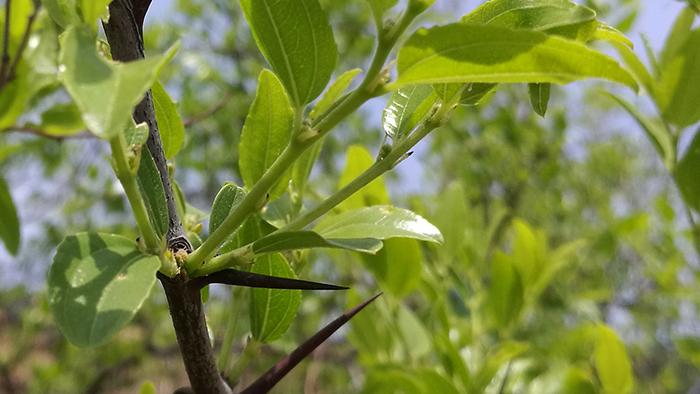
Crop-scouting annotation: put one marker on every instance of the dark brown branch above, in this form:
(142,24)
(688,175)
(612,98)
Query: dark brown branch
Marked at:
(126,43)
(276,373)
(190,325)
(235,277)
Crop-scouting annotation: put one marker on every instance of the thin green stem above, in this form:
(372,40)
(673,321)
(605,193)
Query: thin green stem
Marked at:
(125,174)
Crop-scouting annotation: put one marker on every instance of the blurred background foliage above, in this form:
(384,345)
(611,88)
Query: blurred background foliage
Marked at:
(552,226)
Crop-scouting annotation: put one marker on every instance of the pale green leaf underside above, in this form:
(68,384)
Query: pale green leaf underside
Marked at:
(292,240)
(471,53)
(530,14)
(97,283)
(105,92)
(380,222)
(226,199)
(266,131)
(406,108)
(272,311)
(296,39)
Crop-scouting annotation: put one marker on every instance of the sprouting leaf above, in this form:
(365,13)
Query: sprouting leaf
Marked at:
(170,127)
(380,222)
(136,134)
(266,132)
(459,53)
(105,92)
(97,283)
(539,97)
(611,362)
(655,131)
(272,311)
(149,181)
(678,91)
(226,200)
(333,92)
(9,222)
(406,108)
(273,375)
(688,174)
(296,39)
(292,240)
(357,160)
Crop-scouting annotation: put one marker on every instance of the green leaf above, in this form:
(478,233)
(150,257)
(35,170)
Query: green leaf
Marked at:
(272,311)
(688,174)
(638,70)
(655,131)
(677,36)
(225,201)
(62,120)
(530,14)
(337,88)
(406,108)
(296,39)
(9,229)
(266,132)
(292,240)
(539,97)
(94,9)
(398,265)
(170,127)
(97,283)
(475,93)
(459,53)
(506,294)
(357,160)
(105,92)
(380,222)
(678,91)
(379,8)
(611,362)
(152,190)
(136,134)
(301,171)
(63,12)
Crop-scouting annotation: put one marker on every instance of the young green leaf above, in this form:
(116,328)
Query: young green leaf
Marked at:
(62,120)
(63,12)
(97,283)
(357,160)
(226,200)
(459,53)
(539,97)
(611,362)
(296,39)
(398,265)
(272,311)
(136,134)
(530,14)
(152,189)
(506,294)
(687,174)
(678,91)
(380,222)
(266,132)
(94,9)
(677,36)
(292,240)
(406,108)
(9,227)
(170,127)
(333,92)
(104,92)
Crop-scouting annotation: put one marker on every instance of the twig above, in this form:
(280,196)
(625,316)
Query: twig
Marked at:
(8,73)
(5,61)
(209,111)
(29,129)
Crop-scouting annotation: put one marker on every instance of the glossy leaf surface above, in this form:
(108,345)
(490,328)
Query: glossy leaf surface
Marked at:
(292,240)
(170,127)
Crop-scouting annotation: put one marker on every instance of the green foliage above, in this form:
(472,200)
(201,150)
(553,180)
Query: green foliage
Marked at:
(357,160)
(273,311)
(152,189)
(266,132)
(462,53)
(297,41)
(170,127)
(97,283)
(9,229)
(680,76)
(688,174)
(105,92)
(291,240)
(539,97)
(406,108)
(611,362)
(334,92)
